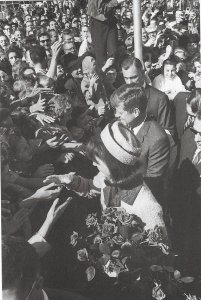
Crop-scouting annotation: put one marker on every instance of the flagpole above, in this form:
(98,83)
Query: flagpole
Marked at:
(137,23)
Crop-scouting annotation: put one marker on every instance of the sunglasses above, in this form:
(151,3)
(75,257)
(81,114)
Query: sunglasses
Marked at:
(44,41)
(195,131)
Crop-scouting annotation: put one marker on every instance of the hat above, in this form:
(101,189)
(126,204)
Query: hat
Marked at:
(151,28)
(70,61)
(121,143)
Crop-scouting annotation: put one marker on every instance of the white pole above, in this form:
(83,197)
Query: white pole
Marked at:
(137,22)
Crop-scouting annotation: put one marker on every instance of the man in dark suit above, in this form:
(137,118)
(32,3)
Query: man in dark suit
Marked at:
(186,198)
(20,274)
(158,105)
(130,103)
(186,106)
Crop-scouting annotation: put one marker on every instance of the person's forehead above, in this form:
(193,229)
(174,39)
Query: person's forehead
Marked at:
(197,125)
(44,37)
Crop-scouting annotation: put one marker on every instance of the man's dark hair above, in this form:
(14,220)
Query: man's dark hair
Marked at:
(43,34)
(20,262)
(131,95)
(131,60)
(37,54)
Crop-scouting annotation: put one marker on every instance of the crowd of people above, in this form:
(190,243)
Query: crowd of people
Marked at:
(86,125)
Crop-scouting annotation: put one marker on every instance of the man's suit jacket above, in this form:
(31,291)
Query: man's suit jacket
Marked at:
(159,108)
(54,294)
(189,174)
(155,148)
(180,112)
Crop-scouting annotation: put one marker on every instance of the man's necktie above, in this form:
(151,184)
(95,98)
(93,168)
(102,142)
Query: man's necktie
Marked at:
(189,122)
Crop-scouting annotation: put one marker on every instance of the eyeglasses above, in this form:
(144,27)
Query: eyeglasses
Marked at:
(44,41)
(195,131)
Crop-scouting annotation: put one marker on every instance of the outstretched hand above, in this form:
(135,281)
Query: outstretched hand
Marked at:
(59,179)
(56,211)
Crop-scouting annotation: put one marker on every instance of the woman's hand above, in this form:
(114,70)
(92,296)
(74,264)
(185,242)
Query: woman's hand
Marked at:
(56,211)
(44,171)
(94,79)
(59,179)
(56,142)
(65,158)
(108,64)
(39,106)
(42,118)
(45,193)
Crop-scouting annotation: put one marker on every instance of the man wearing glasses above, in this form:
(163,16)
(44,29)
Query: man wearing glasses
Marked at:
(44,40)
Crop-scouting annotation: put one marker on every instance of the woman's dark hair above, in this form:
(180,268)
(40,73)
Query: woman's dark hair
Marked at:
(171,62)
(194,100)
(16,49)
(124,176)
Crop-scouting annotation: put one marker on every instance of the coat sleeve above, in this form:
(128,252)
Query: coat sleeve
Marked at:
(158,157)
(165,115)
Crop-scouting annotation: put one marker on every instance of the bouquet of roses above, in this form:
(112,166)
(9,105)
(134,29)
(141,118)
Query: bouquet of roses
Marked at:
(117,243)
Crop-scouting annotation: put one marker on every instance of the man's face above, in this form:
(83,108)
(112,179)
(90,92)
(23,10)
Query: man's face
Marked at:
(144,35)
(125,116)
(84,32)
(7,30)
(192,48)
(53,37)
(53,25)
(29,26)
(45,41)
(27,19)
(197,128)
(68,38)
(3,41)
(133,75)
(69,48)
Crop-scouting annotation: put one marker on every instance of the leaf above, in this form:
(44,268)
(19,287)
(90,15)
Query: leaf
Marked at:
(177,275)
(187,279)
(156,268)
(90,271)
(104,248)
(103,260)
(124,231)
(168,269)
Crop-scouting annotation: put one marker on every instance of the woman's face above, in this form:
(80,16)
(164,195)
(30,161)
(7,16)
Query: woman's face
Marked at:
(102,167)
(23,150)
(12,56)
(3,76)
(169,71)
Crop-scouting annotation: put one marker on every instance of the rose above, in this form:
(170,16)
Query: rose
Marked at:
(109,229)
(155,235)
(91,220)
(97,240)
(118,239)
(125,219)
(157,292)
(74,239)
(82,254)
